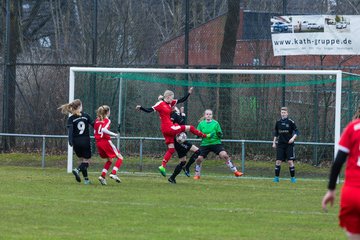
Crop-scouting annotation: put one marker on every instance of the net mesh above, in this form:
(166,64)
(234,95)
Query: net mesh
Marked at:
(246,106)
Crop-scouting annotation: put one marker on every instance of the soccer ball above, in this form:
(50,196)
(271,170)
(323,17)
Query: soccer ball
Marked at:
(181,137)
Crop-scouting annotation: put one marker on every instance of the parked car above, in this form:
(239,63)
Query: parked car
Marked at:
(279,27)
(314,26)
(331,22)
(341,25)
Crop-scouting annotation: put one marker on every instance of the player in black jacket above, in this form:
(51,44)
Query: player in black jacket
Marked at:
(182,148)
(79,136)
(285,134)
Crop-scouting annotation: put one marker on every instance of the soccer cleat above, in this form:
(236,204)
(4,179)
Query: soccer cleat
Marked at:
(162,171)
(76,174)
(238,174)
(293,179)
(115,177)
(87,182)
(276,179)
(172,180)
(102,180)
(187,172)
(196,177)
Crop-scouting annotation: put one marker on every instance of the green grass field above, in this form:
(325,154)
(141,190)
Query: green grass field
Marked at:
(47,203)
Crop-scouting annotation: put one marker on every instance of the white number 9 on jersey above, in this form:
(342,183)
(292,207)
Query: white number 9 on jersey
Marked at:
(81,127)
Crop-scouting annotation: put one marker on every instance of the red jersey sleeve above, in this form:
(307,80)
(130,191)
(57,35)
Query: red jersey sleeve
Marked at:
(157,106)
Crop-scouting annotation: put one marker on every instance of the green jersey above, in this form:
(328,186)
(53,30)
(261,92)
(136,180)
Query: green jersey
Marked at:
(210,127)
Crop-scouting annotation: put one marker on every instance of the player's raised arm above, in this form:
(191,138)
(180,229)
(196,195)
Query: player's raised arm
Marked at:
(184,98)
(148,110)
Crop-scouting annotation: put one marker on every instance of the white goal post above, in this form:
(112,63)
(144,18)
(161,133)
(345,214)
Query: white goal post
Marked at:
(337,73)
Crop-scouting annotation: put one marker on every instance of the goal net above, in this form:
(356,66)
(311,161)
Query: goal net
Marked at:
(245,102)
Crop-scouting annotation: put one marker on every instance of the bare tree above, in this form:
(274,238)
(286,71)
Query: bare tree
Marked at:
(227,56)
(12,47)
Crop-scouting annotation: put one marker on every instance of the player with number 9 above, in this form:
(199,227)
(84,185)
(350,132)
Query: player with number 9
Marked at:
(79,136)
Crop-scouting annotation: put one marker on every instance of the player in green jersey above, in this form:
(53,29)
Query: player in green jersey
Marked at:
(208,125)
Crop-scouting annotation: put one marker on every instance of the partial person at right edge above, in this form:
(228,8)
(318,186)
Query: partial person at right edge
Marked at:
(349,150)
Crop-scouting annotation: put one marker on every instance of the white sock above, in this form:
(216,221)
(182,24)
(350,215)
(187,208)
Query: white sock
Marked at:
(231,166)
(197,170)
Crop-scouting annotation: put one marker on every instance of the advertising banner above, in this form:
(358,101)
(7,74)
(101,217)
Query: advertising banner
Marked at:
(316,35)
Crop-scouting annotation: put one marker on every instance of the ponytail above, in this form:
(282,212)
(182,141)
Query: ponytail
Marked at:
(72,107)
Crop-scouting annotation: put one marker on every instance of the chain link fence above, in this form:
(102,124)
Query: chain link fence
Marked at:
(52,36)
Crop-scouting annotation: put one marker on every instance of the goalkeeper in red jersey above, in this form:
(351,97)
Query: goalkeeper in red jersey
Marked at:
(104,144)
(168,128)
(213,144)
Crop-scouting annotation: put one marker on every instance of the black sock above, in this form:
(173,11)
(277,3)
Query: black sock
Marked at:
(192,159)
(292,171)
(177,170)
(84,170)
(277,170)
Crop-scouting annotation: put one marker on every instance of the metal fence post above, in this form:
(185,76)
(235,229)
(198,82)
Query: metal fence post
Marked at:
(243,156)
(43,152)
(141,155)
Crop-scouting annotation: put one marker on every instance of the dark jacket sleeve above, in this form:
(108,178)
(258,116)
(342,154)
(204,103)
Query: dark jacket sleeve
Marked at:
(296,130)
(340,159)
(276,131)
(183,99)
(70,134)
(91,121)
(148,110)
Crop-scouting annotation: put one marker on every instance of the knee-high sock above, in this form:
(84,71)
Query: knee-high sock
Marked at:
(177,170)
(277,170)
(84,167)
(117,166)
(192,159)
(197,170)
(105,169)
(292,171)
(167,156)
(231,165)
(193,130)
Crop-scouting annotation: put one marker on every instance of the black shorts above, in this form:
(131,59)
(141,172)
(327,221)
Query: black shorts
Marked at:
(217,148)
(82,147)
(285,152)
(182,148)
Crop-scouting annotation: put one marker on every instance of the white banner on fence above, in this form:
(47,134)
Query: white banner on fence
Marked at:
(316,35)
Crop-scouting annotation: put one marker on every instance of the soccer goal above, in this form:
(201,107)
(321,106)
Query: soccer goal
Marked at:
(246,102)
